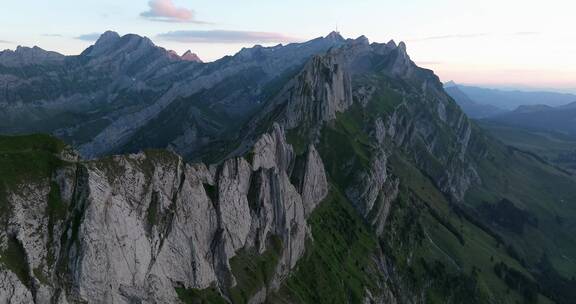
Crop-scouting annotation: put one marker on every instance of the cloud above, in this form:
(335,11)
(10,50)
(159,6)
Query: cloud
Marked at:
(89,37)
(166,11)
(52,35)
(223,36)
(5,41)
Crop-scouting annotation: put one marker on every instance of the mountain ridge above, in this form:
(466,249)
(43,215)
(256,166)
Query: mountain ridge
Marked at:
(541,117)
(136,81)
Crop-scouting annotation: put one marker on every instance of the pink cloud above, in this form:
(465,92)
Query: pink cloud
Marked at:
(166,11)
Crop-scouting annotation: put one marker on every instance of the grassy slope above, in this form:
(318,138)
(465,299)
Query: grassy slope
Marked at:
(253,271)
(543,193)
(421,214)
(25,159)
(450,256)
(553,147)
(463,249)
(539,189)
(336,268)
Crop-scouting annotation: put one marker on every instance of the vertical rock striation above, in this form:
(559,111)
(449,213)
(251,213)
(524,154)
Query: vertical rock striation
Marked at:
(138,226)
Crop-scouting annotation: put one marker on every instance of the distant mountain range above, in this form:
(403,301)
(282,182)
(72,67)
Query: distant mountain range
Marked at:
(479,102)
(124,93)
(472,108)
(560,119)
(510,100)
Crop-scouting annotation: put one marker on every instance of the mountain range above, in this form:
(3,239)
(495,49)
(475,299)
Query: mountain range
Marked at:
(125,93)
(330,171)
(512,99)
(480,103)
(472,108)
(561,119)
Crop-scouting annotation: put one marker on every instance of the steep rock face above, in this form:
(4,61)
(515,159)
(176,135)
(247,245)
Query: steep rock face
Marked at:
(367,184)
(12,290)
(381,210)
(138,226)
(277,201)
(314,186)
(322,90)
(438,139)
(306,102)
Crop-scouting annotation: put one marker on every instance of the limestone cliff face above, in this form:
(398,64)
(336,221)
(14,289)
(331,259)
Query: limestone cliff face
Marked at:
(438,137)
(137,226)
(321,90)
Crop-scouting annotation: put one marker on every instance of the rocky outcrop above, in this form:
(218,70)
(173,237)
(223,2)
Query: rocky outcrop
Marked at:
(367,184)
(322,90)
(26,56)
(135,227)
(12,290)
(307,101)
(313,182)
(437,137)
(189,56)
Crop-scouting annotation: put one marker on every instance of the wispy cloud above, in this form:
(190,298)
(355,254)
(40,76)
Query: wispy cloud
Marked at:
(5,41)
(166,11)
(223,36)
(89,37)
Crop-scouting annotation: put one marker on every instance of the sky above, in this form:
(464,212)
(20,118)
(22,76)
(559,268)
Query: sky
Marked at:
(506,43)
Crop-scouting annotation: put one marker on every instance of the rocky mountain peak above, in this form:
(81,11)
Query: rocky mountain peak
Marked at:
(189,56)
(105,43)
(172,54)
(334,35)
(450,84)
(111,42)
(108,38)
(137,39)
(24,56)
(30,51)
(362,40)
(402,46)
